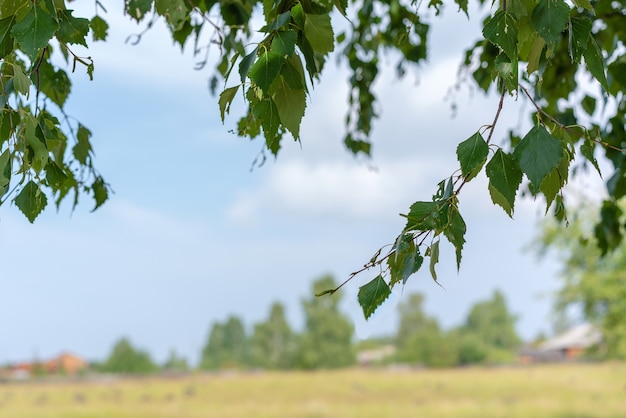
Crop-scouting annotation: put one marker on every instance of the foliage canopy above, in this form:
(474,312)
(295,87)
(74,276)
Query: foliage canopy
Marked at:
(566,58)
(592,283)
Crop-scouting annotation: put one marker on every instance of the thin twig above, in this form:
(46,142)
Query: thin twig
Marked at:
(495,119)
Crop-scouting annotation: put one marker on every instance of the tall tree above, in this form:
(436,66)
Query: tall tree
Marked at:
(592,284)
(419,339)
(226,346)
(125,358)
(492,323)
(531,50)
(327,338)
(175,362)
(272,345)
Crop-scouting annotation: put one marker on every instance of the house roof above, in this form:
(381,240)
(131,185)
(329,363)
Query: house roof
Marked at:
(581,336)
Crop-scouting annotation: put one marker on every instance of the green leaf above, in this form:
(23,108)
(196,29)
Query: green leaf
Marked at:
(82,149)
(280,21)
(21,82)
(555,181)
(293,73)
(549,18)
(55,175)
(297,13)
(72,30)
(31,201)
(137,9)
(266,112)
(5,172)
(319,33)
(34,31)
(504,180)
(100,192)
(342,6)
(246,63)
(265,70)
(422,216)
(585,4)
(99,28)
(225,68)
(290,105)
(462,6)
(36,141)
(434,259)
(6,40)
(372,295)
(588,104)
(538,154)
(534,55)
(587,150)
(235,12)
(181,35)
(455,232)
(356,145)
(9,120)
(55,85)
(595,62)
(502,31)
(608,231)
(405,260)
(284,43)
(507,70)
(226,99)
(472,155)
(174,11)
(579,34)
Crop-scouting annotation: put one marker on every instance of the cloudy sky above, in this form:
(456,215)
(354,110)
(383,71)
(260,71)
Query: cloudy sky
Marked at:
(192,235)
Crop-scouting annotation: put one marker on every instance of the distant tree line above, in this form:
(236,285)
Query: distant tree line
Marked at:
(327,340)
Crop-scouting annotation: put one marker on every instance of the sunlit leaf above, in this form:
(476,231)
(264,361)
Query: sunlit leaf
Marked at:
(372,295)
(34,31)
(472,155)
(31,201)
(319,33)
(226,99)
(595,62)
(538,154)
(501,29)
(265,70)
(72,30)
(505,177)
(549,18)
(290,104)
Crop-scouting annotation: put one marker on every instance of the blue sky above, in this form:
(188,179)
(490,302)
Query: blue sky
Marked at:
(191,235)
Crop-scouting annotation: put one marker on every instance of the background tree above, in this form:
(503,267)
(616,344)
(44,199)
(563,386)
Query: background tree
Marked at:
(226,346)
(492,322)
(327,338)
(593,285)
(489,332)
(175,362)
(272,345)
(419,339)
(532,50)
(125,358)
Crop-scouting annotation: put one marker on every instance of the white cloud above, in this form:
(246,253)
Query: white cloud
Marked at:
(338,189)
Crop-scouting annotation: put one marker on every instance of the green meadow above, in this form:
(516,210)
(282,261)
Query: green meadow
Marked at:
(561,391)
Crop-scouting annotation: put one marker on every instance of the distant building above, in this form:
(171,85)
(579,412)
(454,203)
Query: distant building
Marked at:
(567,346)
(375,355)
(65,363)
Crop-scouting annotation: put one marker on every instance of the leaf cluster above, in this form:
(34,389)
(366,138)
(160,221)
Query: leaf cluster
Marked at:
(536,50)
(38,157)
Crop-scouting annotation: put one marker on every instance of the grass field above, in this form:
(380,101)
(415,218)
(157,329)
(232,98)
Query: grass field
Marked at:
(561,391)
